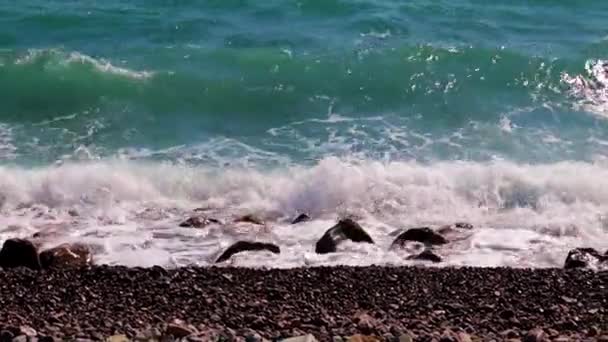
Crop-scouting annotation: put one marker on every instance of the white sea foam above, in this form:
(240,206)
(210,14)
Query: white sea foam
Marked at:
(592,88)
(63,58)
(7,148)
(105,66)
(525,215)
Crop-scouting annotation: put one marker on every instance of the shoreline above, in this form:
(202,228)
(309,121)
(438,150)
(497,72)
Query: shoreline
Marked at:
(328,302)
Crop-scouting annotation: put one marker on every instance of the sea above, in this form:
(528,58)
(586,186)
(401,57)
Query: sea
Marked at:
(120,119)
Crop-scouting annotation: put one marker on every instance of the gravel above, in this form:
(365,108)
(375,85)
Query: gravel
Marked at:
(327,302)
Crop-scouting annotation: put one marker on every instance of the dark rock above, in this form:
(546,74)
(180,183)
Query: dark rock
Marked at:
(67,255)
(584,258)
(454,228)
(19,253)
(178,330)
(463,225)
(250,219)
(343,230)
(424,235)
(301,218)
(426,255)
(242,246)
(196,222)
(6,336)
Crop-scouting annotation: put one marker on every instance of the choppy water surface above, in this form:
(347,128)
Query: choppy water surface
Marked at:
(132,114)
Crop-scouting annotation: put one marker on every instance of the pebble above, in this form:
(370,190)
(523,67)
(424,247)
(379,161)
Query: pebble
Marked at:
(323,301)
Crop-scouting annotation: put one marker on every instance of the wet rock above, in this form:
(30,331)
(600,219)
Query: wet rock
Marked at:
(67,255)
(453,228)
(19,253)
(242,246)
(423,235)
(250,219)
(584,258)
(303,338)
(426,255)
(301,218)
(346,229)
(463,225)
(197,222)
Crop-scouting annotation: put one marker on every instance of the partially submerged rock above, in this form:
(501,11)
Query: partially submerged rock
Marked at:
(67,255)
(463,225)
(19,253)
(242,246)
(346,229)
(249,218)
(423,235)
(454,228)
(585,258)
(426,255)
(301,218)
(198,222)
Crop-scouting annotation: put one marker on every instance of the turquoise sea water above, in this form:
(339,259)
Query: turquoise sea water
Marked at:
(296,81)
(132,113)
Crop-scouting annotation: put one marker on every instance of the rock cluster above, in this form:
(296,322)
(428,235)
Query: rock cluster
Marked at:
(23,253)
